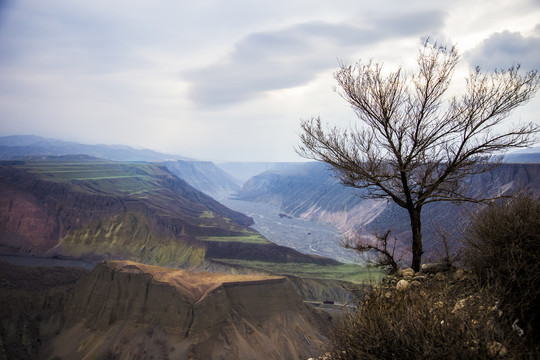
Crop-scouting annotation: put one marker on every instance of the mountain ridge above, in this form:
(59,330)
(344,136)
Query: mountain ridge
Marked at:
(139,211)
(310,191)
(16,146)
(205,176)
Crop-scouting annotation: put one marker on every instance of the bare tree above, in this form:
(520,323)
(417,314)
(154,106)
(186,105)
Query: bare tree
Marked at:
(413,144)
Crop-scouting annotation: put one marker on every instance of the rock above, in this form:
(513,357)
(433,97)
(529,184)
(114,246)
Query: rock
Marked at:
(459,274)
(402,285)
(496,349)
(405,273)
(434,268)
(439,276)
(416,283)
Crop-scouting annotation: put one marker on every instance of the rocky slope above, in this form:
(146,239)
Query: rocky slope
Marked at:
(126,310)
(31,306)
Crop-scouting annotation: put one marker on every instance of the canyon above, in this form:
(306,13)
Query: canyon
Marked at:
(170,264)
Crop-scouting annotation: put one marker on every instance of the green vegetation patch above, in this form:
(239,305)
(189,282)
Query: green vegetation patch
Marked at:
(207,215)
(248,238)
(347,272)
(117,177)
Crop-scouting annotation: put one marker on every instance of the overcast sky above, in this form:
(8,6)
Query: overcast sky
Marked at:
(226,79)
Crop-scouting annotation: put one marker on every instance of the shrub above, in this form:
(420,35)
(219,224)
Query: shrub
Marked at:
(436,320)
(502,249)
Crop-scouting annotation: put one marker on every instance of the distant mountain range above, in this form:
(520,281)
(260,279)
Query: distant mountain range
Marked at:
(13,147)
(529,155)
(243,171)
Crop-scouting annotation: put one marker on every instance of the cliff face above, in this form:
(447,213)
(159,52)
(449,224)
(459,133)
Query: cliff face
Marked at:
(204,176)
(124,309)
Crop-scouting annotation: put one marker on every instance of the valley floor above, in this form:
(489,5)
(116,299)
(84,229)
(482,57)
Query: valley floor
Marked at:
(304,235)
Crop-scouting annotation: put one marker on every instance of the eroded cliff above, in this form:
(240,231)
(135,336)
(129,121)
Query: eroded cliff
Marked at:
(127,310)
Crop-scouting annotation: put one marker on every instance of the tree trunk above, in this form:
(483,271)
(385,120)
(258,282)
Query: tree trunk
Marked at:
(416,227)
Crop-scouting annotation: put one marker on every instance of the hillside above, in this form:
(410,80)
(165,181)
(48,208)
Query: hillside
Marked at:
(310,191)
(97,209)
(204,176)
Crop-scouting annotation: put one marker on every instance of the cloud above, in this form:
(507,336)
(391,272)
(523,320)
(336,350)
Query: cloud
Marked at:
(504,49)
(293,56)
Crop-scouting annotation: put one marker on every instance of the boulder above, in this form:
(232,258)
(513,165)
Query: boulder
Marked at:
(433,268)
(402,285)
(405,273)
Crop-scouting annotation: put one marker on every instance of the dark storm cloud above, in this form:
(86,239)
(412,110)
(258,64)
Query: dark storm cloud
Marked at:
(293,56)
(504,49)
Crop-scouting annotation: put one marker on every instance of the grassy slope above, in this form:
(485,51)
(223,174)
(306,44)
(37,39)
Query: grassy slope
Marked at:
(345,272)
(145,182)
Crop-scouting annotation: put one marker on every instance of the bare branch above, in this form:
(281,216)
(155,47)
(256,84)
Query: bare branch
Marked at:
(381,253)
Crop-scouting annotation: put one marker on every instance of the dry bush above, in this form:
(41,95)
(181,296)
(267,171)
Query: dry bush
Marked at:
(379,253)
(503,251)
(491,313)
(436,320)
